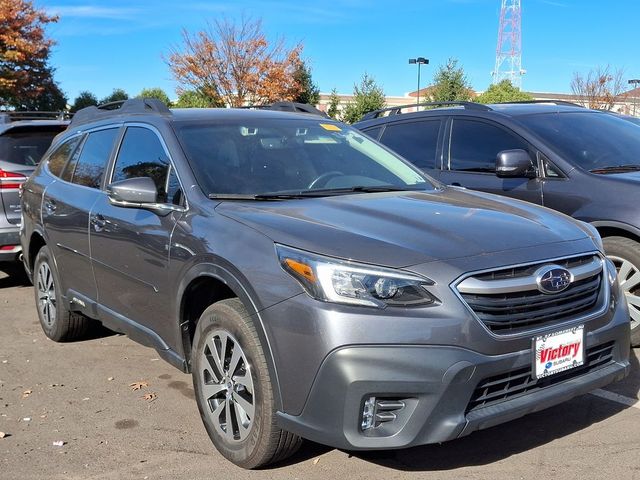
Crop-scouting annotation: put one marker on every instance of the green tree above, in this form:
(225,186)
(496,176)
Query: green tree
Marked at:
(334,102)
(367,97)
(450,83)
(117,95)
(309,91)
(157,93)
(196,99)
(503,91)
(84,99)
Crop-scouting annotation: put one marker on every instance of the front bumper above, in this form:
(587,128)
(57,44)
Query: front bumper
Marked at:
(436,384)
(10,237)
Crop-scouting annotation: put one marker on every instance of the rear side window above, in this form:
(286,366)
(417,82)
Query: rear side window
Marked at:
(92,161)
(59,157)
(415,141)
(142,155)
(26,146)
(475,145)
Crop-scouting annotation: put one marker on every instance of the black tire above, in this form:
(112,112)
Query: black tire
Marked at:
(264,442)
(58,323)
(622,249)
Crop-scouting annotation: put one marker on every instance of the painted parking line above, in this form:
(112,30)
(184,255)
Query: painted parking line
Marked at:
(615,397)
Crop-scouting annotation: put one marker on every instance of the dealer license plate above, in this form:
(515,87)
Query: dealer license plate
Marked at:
(558,351)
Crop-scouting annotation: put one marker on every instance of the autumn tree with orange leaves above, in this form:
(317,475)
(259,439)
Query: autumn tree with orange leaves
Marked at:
(600,88)
(26,79)
(235,64)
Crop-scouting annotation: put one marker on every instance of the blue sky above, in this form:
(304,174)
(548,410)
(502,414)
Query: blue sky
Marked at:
(103,45)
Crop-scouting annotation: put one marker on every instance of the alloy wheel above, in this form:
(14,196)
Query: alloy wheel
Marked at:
(46,294)
(227,386)
(629,279)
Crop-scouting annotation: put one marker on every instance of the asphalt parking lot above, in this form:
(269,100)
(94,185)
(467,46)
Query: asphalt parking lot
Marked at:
(79,395)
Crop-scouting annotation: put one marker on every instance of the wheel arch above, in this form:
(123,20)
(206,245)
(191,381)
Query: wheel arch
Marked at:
(205,284)
(617,229)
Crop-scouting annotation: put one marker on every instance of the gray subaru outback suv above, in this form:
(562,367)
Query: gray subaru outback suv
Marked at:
(24,138)
(312,282)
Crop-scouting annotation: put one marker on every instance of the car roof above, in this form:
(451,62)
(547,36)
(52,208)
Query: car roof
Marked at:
(514,109)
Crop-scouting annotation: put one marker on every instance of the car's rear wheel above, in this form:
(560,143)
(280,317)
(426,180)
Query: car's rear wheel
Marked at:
(233,388)
(57,322)
(625,254)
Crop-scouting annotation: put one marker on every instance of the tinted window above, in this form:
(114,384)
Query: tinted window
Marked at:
(93,158)
(415,141)
(26,146)
(373,132)
(591,140)
(59,157)
(142,155)
(475,145)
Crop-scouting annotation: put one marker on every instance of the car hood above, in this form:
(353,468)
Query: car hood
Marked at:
(399,229)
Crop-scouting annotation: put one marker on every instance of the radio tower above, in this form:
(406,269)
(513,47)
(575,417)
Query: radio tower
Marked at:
(509,50)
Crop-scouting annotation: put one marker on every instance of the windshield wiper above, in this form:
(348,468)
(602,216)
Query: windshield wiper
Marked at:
(617,169)
(323,192)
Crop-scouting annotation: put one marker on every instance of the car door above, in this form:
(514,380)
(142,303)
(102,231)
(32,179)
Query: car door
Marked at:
(66,205)
(130,246)
(470,159)
(419,141)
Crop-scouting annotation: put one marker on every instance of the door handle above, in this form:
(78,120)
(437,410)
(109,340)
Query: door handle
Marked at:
(98,222)
(50,206)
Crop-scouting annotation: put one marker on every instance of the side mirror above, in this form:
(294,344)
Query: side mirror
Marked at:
(514,163)
(134,192)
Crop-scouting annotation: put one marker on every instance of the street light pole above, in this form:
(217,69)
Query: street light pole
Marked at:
(635,82)
(419,61)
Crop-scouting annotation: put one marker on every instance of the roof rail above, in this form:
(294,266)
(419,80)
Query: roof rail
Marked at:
(7,116)
(397,110)
(552,102)
(122,107)
(289,107)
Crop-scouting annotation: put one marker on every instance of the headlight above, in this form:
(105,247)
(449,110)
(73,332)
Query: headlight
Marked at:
(333,280)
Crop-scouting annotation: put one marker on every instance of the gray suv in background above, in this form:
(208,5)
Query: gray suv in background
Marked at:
(581,162)
(24,138)
(314,283)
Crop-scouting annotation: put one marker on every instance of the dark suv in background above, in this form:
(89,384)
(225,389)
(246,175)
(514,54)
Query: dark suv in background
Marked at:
(584,163)
(24,138)
(314,283)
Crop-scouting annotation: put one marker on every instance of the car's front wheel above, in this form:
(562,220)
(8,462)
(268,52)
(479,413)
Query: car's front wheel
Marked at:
(233,388)
(625,254)
(57,322)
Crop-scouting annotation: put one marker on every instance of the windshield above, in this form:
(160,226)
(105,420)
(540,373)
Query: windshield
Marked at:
(264,156)
(26,147)
(592,141)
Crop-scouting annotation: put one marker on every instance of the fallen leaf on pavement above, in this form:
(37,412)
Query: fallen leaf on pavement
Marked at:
(150,397)
(316,460)
(26,393)
(138,385)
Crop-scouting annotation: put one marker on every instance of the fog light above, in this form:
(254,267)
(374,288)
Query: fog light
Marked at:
(368,412)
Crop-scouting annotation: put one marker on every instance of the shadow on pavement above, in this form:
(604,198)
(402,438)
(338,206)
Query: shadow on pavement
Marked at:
(13,275)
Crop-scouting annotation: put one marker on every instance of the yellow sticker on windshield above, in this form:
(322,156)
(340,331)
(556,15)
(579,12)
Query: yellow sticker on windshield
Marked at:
(331,127)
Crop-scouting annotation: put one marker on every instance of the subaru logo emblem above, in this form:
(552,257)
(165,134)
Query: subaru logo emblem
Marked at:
(553,279)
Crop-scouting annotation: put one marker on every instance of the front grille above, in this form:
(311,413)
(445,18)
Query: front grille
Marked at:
(515,383)
(518,306)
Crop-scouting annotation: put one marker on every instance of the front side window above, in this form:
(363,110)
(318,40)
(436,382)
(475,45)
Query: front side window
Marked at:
(142,155)
(261,156)
(475,145)
(415,141)
(93,158)
(58,159)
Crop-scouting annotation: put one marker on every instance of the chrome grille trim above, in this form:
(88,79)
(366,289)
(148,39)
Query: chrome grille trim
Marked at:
(474,285)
